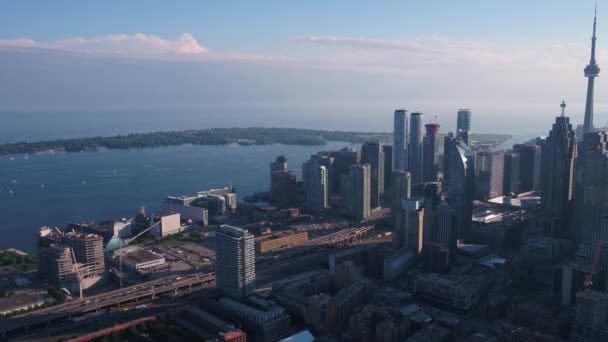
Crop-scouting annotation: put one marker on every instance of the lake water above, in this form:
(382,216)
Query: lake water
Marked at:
(58,188)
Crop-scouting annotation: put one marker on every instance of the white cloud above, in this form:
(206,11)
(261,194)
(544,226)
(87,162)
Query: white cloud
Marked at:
(455,60)
(138,45)
(142,46)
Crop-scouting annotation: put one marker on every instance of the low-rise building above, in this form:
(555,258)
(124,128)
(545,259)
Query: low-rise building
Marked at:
(142,259)
(267,320)
(458,293)
(499,226)
(216,326)
(276,241)
(202,205)
(166,225)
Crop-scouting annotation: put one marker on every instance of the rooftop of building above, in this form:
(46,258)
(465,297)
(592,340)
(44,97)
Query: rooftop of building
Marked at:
(215,321)
(410,309)
(484,213)
(420,317)
(201,194)
(442,278)
(322,298)
(222,191)
(261,303)
(255,305)
(470,248)
(233,231)
(302,336)
(85,236)
(522,200)
(141,256)
(492,261)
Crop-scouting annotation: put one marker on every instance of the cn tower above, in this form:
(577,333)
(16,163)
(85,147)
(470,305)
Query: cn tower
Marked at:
(591,72)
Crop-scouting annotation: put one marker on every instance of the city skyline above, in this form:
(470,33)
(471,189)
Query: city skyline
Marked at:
(311,73)
(335,233)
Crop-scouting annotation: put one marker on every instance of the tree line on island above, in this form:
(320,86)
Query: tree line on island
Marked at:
(213,136)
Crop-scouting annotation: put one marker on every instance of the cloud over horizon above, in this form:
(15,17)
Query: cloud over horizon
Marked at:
(429,72)
(138,45)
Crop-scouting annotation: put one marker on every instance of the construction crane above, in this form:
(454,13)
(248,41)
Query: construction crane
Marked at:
(596,257)
(76,270)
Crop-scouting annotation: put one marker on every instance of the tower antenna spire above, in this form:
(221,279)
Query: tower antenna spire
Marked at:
(563,106)
(591,72)
(593,37)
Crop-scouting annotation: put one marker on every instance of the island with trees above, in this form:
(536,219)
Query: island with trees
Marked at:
(212,136)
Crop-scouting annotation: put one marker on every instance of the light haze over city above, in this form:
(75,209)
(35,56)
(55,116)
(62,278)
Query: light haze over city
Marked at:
(311,65)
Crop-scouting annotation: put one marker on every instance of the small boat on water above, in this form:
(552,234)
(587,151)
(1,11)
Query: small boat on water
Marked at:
(245,142)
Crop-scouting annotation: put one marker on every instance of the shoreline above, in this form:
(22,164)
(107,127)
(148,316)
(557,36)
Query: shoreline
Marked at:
(216,136)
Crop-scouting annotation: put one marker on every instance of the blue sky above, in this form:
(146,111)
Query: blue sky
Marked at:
(339,60)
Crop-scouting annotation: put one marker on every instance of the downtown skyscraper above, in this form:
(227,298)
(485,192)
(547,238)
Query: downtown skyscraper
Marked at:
(359,189)
(415,151)
(400,135)
(529,166)
(463,121)
(490,167)
(372,153)
(430,153)
(316,188)
(511,177)
(557,169)
(461,185)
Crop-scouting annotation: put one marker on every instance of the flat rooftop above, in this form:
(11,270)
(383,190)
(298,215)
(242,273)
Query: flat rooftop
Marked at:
(491,212)
(233,231)
(141,256)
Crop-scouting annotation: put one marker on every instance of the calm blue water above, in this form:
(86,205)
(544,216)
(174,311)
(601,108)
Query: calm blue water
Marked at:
(63,187)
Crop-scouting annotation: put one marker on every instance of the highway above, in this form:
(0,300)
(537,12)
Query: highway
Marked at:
(112,298)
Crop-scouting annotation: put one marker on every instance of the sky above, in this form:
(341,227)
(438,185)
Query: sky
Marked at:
(313,64)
